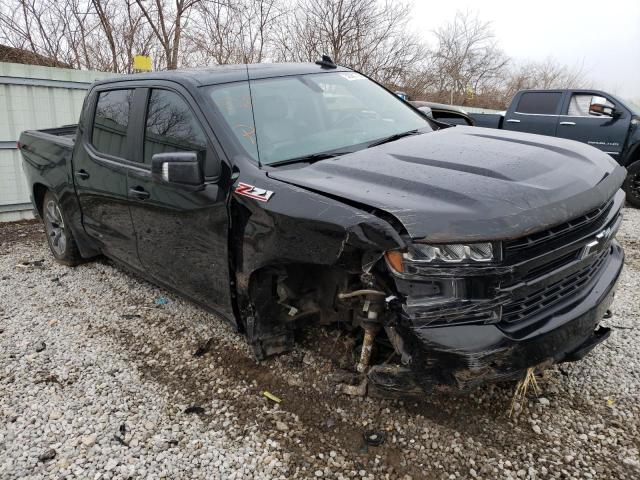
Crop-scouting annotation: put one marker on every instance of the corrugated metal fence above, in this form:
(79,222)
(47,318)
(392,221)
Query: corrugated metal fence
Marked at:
(33,97)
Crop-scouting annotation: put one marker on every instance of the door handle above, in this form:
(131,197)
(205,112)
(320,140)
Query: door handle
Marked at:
(513,120)
(82,174)
(139,193)
(569,124)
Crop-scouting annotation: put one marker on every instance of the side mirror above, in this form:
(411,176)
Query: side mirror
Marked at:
(600,107)
(181,168)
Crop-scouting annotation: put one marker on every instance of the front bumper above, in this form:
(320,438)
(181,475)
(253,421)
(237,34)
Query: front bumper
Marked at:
(461,357)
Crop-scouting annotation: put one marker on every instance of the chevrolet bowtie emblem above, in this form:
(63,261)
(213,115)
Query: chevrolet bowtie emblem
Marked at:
(597,244)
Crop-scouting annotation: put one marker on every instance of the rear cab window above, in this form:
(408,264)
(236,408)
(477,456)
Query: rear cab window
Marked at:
(539,103)
(111,122)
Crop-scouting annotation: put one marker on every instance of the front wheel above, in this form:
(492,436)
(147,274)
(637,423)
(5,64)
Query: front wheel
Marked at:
(61,242)
(632,184)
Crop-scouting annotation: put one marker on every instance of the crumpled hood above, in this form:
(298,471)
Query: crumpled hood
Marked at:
(468,183)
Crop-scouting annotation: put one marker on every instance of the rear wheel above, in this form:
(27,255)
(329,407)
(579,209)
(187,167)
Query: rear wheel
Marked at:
(632,184)
(61,242)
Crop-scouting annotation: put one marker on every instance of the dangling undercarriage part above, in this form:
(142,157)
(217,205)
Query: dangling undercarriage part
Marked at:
(371,322)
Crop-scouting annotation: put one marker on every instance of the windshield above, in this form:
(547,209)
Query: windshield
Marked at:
(301,115)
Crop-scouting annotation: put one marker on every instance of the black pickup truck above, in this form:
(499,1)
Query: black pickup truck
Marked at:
(590,116)
(279,195)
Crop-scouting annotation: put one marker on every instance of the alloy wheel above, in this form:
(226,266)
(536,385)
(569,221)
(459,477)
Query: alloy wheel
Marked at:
(54,225)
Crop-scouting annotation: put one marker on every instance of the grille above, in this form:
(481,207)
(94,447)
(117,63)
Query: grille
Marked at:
(526,307)
(585,224)
(551,266)
(463,313)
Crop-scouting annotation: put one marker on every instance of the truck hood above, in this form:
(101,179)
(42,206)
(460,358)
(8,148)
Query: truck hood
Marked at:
(468,183)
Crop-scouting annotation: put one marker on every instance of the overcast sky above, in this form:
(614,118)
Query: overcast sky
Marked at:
(602,35)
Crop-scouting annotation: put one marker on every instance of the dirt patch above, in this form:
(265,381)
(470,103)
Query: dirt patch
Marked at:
(20,232)
(318,412)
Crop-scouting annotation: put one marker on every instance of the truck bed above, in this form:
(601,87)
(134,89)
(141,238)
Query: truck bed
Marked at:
(62,136)
(43,149)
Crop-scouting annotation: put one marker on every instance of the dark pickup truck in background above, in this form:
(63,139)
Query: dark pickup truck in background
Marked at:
(589,116)
(282,194)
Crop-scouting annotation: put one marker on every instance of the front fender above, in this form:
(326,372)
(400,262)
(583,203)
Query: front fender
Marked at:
(298,226)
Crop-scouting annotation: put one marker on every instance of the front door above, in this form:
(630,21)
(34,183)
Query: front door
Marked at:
(100,162)
(182,231)
(606,132)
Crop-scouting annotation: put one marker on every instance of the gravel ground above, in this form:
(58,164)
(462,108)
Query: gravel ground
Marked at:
(97,381)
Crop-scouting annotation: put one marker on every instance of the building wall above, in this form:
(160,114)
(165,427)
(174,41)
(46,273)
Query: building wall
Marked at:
(33,97)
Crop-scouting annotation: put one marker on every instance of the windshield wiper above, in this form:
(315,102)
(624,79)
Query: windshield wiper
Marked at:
(308,158)
(392,138)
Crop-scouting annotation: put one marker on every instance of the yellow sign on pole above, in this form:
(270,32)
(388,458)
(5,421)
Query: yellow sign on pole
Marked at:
(142,63)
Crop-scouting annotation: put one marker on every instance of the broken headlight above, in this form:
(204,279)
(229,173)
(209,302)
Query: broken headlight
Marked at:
(443,254)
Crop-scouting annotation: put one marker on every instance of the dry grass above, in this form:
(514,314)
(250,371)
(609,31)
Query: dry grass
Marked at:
(529,381)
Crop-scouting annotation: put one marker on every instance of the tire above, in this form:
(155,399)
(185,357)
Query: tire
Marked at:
(631,185)
(61,242)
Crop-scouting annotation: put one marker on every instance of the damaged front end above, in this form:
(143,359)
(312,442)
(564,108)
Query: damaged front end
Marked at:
(484,312)
(432,317)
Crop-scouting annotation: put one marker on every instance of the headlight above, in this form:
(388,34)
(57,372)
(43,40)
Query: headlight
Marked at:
(450,253)
(441,254)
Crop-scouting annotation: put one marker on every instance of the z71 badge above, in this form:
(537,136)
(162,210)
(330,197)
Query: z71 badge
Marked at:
(253,192)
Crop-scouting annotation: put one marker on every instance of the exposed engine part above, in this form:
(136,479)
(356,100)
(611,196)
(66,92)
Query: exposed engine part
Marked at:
(360,293)
(370,331)
(373,304)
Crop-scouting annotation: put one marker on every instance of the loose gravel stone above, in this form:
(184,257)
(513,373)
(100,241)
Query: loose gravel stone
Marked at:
(47,455)
(88,440)
(113,357)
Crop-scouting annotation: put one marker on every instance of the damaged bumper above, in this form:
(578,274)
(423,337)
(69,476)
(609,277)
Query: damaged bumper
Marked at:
(461,357)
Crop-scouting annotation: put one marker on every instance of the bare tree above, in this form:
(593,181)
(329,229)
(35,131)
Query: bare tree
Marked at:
(36,26)
(91,34)
(127,33)
(234,32)
(467,60)
(547,74)
(167,21)
(106,22)
(367,35)
(466,65)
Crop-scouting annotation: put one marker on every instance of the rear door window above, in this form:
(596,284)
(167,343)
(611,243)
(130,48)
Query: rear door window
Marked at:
(539,103)
(111,121)
(171,126)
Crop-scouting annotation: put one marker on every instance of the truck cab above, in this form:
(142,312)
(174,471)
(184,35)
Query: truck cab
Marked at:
(589,116)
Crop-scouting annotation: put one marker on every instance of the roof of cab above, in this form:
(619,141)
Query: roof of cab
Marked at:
(226,73)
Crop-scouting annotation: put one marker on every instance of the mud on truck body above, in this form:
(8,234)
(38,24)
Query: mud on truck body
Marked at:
(282,194)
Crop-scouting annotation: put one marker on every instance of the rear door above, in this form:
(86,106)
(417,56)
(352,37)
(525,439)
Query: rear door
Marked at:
(606,132)
(535,112)
(100,163)
(182,232)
